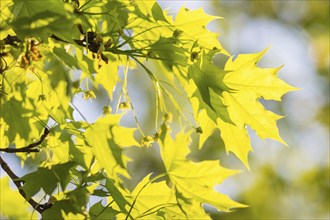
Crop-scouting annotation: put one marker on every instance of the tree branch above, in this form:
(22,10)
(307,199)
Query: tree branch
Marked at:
(30,148)
(19,183)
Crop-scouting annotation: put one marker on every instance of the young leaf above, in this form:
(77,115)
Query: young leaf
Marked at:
(244,75)
(230,99)
(155,200)
(245,109)
(195,181)
(17,118)
(107,76)
(108,142)
(169,53)
(236,140)
(193,24)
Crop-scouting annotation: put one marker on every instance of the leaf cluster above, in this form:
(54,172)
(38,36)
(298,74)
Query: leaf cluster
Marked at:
(53,52)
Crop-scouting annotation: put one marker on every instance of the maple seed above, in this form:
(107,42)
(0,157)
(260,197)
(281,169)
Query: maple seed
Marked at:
(147,141)
(76,84)
(89,95)
(194,55)
(177,33)
(156,137)
(106,110)
(124,106)
(168,117)
(199,130)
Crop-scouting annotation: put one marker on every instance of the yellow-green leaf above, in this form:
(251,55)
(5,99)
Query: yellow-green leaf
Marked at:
(152,199)
(105,136)
(244,109)
(107,76)
(195,181)
(12,204)
(193,24)
(236,140)
(245,75)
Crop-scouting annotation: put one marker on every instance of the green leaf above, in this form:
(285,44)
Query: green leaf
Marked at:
(42,18)
(58,144)
(208,79)
(57,210)
(230,99)
(169,52)
(102,150)
(157,13)
(72,208)
(17,118)
(63,209)
(47,179)
(250,83)
(41,179)
(82,153)
(236,140)
(62,172)
(98,211)
(68,60)
(117,193)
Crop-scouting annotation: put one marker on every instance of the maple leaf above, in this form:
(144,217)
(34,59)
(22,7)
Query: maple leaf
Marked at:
(243,74)
(194,181)
(153,199)
(108,142)
(16,206)
(237,89)
(244,109)
(250,83)
(208,79)
(193,24)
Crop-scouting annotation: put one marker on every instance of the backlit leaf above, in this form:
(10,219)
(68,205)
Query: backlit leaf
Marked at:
(195,181)
(193,24)
(245,75)
(107,143)
(12,203)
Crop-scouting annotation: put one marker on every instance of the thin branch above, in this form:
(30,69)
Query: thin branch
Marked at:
(30,148)
(19,183)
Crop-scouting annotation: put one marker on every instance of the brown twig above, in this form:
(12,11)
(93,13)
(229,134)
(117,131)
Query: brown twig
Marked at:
(30,148)
(19,183)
